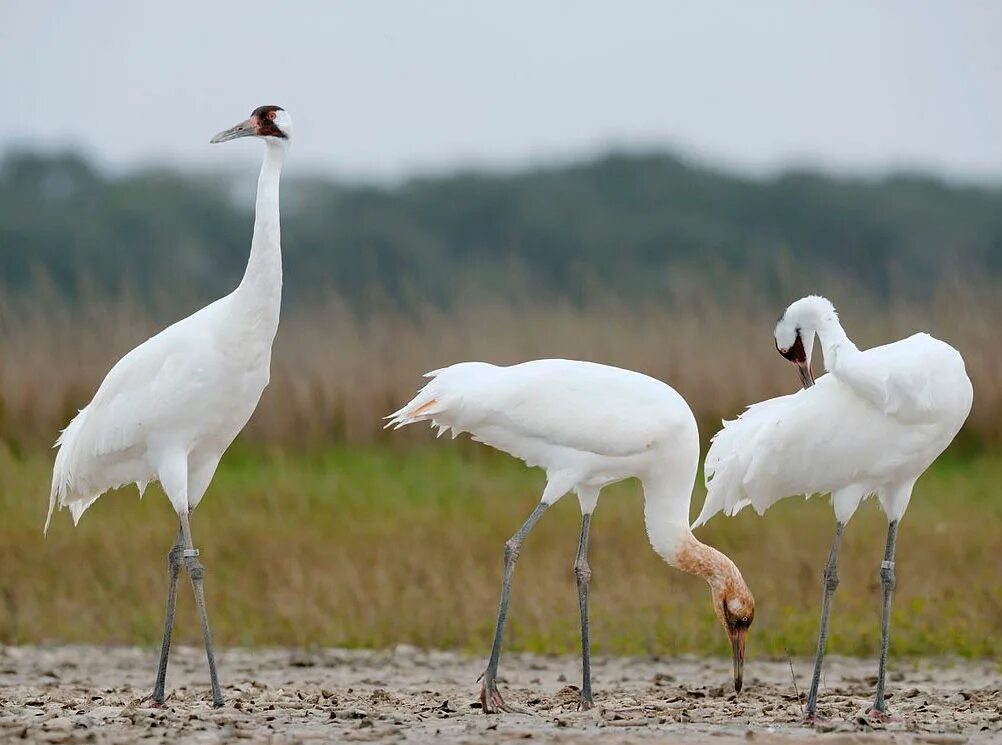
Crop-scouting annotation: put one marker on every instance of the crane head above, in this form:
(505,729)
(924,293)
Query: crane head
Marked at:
(797,354)
(735,607)
(272,122)
(733,602)
(798,327)
(789,338)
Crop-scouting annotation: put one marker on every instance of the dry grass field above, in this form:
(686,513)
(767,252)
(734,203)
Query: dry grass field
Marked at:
(337,371)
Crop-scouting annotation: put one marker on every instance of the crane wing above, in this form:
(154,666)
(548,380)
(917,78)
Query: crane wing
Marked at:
(904,379)
(814,441)
(559,403)
(149,384)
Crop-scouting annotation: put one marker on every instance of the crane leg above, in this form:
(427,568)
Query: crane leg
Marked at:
(489,695)
(582,571)
(830,576)
(173,569)
(196,573)
(879,710)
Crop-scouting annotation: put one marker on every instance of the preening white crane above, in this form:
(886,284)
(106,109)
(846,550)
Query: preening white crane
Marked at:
(168,409)
(871,426)
(588,425)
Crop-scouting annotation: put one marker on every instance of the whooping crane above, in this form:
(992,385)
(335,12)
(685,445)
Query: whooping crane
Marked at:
(168,409)
(872,426)
(588,425)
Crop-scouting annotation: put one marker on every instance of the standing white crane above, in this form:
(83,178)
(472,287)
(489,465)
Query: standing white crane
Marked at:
(872,426)
(168,409)
(588,425)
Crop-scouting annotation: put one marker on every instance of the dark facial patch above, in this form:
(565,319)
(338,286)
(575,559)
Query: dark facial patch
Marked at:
(735,622)
(264,116)
(796,353)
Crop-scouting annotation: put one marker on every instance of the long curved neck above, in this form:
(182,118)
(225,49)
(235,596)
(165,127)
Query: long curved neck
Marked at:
(835,343)
(720,573)
(667,497)
(262,280)
(666,514)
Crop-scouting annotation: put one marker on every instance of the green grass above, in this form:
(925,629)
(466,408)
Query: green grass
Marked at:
(377,546)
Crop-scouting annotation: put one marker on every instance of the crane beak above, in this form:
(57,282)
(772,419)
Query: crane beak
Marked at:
(806,375)
(244,129)
(738,650)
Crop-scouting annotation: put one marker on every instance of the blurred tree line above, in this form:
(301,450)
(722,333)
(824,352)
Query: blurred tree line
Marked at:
(640,226)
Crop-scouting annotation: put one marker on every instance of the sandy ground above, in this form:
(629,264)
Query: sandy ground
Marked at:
(72,694)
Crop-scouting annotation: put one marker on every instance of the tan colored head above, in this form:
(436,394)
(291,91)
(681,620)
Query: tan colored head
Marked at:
(735,608)
(732,600)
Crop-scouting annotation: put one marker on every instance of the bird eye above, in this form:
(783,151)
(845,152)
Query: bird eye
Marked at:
(744,620)
(271,114)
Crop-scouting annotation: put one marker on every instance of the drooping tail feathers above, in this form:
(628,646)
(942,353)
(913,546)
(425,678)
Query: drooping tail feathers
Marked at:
(731,459)
(68,488)
(440,400)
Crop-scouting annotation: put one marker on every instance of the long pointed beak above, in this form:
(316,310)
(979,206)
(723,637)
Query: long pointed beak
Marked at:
(738,650)
(244,129)
(806,375)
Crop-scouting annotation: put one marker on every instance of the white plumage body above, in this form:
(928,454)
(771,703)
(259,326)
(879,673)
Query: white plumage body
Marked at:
(871,426)
(587,425)
(170,408)
(190,389)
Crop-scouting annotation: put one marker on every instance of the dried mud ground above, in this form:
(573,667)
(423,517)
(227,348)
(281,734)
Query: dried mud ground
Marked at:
(74,694)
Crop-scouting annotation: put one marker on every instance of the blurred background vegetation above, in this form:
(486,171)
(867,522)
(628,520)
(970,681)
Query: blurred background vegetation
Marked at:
(641,227)
(642,261)
(321,528)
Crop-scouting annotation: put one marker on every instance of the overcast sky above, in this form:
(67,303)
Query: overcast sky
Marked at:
(381,90)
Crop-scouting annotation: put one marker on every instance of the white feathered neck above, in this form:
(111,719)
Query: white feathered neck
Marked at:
(262,280)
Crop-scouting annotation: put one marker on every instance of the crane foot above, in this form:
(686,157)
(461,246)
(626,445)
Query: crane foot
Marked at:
(812,719)
(877,715)
(493,703)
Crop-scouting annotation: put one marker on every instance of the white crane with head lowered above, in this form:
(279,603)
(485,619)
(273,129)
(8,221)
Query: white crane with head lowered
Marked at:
(871,426)
(169,409)
(588,426)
